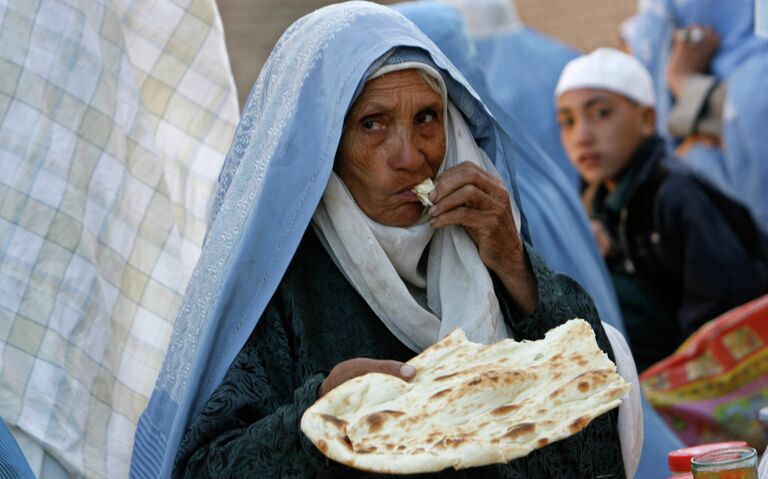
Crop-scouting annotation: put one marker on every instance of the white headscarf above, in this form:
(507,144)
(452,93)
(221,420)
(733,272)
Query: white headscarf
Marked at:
(419,306)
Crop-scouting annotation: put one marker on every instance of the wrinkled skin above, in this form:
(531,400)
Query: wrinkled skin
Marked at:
(393,138)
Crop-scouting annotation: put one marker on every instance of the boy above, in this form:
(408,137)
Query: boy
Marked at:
(678,250)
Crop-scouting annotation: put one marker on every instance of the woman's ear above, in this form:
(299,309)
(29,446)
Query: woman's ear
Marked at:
(648,120)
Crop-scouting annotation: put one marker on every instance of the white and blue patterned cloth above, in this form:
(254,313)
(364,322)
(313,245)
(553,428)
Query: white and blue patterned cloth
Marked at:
(740,168)
(115,117)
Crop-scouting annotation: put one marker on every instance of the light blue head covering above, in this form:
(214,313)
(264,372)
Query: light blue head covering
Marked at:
(272,181)
(742,61)
(521,68)
(557,222)
(554,212)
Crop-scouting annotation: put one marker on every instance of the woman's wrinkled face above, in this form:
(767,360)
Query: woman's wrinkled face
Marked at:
(601,131)
(393,139)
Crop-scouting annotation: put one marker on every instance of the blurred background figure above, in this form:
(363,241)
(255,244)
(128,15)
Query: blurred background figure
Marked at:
(681,252)
(116,117)
(720,93)
(521,67)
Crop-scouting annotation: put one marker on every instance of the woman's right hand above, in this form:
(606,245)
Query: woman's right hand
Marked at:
(352,368)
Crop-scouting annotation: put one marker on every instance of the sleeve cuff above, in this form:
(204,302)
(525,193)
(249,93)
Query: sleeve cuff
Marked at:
(528,326)
(685,117)
(304,397)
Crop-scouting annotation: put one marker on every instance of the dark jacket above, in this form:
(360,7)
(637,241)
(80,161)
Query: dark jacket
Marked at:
(683,252)
(250,425)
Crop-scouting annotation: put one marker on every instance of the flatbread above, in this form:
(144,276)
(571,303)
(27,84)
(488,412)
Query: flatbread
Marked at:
(469,404)
(422,191)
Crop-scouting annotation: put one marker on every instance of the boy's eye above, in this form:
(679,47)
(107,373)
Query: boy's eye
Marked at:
(603,112)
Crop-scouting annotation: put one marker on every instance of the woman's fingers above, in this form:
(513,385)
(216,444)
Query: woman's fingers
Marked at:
(352,368)
(464,174)
(469,196)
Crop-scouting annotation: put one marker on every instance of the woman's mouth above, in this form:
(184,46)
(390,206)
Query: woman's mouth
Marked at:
(407,195)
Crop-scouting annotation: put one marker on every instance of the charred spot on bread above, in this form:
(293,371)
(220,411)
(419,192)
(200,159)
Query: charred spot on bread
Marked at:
(579,424)
(446,376)
(505,409)
(322,445)
(440,394)
(346,443)
(376,420)
(338,423)
(520,430)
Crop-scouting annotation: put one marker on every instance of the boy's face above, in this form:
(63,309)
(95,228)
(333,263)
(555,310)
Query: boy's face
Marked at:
(601,131)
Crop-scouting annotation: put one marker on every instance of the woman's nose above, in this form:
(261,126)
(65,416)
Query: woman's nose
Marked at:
(407,154)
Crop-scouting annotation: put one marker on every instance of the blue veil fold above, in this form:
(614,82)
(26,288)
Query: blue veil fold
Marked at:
(739,168)
(521,67)
(271,183)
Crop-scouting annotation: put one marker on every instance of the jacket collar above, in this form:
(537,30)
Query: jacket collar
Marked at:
(637,172)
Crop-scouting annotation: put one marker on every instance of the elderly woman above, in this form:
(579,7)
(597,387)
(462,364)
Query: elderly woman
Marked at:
(321,264)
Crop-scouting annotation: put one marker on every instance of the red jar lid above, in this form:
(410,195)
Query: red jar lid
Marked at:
(680,459)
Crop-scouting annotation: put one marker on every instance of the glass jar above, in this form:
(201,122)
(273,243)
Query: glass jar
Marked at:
(732,463)
(680,459)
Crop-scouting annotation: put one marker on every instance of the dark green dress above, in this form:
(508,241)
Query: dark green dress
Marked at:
(315,320)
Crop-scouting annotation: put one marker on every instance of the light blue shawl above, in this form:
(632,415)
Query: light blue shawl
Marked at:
(741,168)
(558,225)
(272,181)
(521,69)
(444,25)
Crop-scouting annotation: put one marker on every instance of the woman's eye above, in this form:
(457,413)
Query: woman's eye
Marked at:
(565,122)
(426,116)
(372,124)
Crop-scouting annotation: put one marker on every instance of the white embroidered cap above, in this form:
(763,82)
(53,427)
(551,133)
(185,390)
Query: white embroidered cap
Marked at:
(608,69)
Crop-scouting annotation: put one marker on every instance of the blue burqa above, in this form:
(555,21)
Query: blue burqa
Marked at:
(271,183)
(444,25)
(740,169)
(522,67)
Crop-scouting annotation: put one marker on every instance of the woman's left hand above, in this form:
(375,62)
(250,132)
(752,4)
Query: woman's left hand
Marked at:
(477,200)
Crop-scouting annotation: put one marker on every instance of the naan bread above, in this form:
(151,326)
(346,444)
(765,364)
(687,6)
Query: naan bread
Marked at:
(422,191)
(469,404)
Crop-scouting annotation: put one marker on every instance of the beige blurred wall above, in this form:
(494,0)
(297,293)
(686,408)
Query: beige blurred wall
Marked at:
(253,26)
